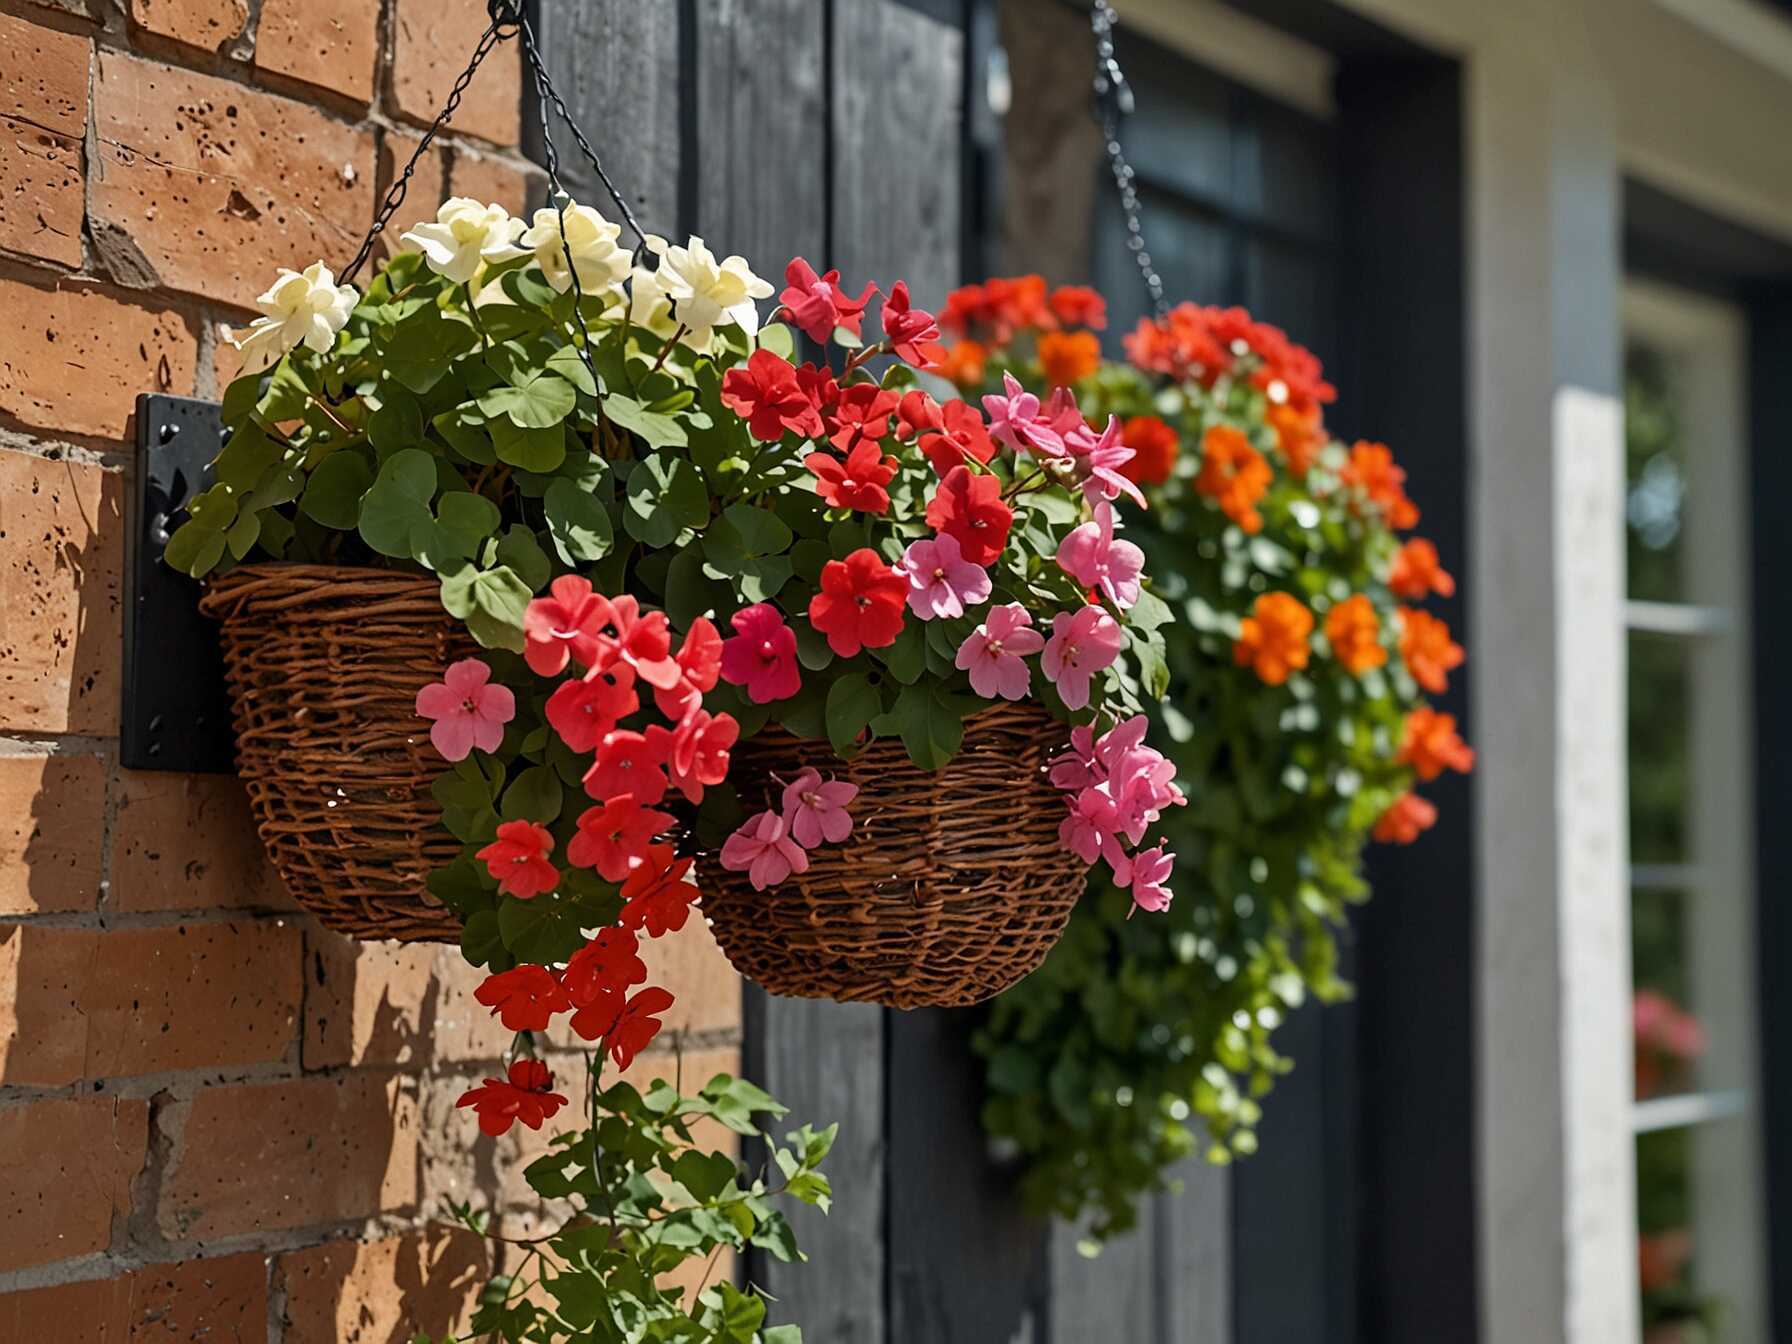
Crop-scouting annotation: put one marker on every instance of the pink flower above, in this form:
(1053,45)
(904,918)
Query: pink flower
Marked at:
(1150,870)
(1082,644)
(696,752)
(1092,557)
(909,330)
(762,851)
(583,711)
(992,653)
(564,624)
(817,304)
(627,762)
(1099,461)
(1076,767)
(762,655)
(941,582)
(613,836)
(1014,421)
(468,710)
(814,811)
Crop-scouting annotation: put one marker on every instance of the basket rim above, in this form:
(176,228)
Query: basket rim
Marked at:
(278,587)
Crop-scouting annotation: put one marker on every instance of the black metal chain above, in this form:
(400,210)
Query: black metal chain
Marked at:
(1113,100)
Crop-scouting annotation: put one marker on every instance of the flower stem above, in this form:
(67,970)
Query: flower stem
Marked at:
(666,349)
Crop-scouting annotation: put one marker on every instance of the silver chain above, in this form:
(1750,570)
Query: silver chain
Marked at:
(1113,100)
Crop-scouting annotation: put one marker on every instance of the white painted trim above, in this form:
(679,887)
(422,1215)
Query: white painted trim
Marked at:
(1240,47)
(1686,619)
(1745,26)
(1689,1108)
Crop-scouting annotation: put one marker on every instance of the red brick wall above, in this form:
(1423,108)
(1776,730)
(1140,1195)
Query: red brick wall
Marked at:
(217,1121)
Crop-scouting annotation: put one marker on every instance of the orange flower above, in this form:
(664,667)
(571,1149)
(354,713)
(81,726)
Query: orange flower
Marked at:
(1273,638)
(963,363)
(1154,445)
(1406,816)
(1431,745)
(1065,356)
(1299,434)
(1234,474)
(1415,573)
(1354,632)
(1429,651)
(1079,306)
(1371,469)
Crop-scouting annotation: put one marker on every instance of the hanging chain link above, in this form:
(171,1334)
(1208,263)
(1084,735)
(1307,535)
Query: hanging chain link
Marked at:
(1113,101)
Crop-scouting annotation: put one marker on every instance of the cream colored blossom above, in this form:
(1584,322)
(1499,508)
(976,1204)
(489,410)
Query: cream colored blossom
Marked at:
(707,293)
(649,307)
(600,264)
(301,307)
(464,234)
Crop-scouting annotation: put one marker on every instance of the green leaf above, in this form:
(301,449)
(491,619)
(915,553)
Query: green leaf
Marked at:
(534,449)
(658,431)
(852,703)
(535,795)
(398,423)
(194,549)
(742,1315)
(782,1334)
(578,523)
(690,592)
(462,524)
(907,657)
(245,458)
(398,502)
(665,496)
(333,492)
(420,352)
(523,554)
(491,602)
(481,940)
(1149,612)
(568,364)
(550,928)
(540,403)
(931,726)
(705,1175)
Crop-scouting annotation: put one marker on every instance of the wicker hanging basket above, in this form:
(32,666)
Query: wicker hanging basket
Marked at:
(323,666)
(951,887)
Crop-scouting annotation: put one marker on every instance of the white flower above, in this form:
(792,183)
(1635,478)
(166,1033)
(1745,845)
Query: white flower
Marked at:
(707,293)
(464,234)
(649,306)
(591,238)
(301,306)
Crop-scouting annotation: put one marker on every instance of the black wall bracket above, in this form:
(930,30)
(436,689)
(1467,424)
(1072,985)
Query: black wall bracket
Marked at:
(175,715)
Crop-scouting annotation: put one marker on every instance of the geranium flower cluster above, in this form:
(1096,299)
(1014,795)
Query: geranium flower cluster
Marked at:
(1118,787)
(771,845)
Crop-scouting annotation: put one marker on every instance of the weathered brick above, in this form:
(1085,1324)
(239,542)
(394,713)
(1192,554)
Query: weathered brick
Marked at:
(205,186)
(219,1301)
(60,555)
(206,24)
(431,39)
(52,813)
(349,1292)
(328,43)
(406,1004)
(427,189)
(73,358)
(43,115)
(486,177)
(187,842)
(291,1154)
(705,987)
(90,1003)
(66,1168)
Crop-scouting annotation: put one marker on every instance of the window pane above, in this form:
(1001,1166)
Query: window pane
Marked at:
(1669,1037)
(1655,465)
(1659,707)
(1674,1311)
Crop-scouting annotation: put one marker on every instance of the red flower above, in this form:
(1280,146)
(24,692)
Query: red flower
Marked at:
(817,304)
(518,858)
(613,835)
(916,413)
(625,1028)
(644,642)
(696,752)
(819,386)
(970,509)
(583,711)
(525,998)
(861,413)
(908,329)
(610,961)
(699,666)
(860,603)
(1406,816)
(525,1097)
(656,897)
(1154,447)
(857,483)
(1079,306)
(564,624)
(626,763)
(768,397)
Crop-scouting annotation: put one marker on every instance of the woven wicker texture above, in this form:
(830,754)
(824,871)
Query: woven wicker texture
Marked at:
(324,665)
(951,887)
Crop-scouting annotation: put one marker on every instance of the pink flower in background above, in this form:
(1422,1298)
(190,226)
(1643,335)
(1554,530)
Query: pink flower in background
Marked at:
(762,850)
(814,811)
(468,710)
(518,858)
(614,835)
(1091,555)
(566,623)
(1150,870)
(1014,420)
(1099,461)
(941,582)
(817,304)
(992,653)
(626,763)
(1082,644)
(583,711)
(762,655)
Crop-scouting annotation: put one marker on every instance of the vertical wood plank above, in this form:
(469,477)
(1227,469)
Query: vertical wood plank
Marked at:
(1110,1297)
(616,63)
(1193,1229)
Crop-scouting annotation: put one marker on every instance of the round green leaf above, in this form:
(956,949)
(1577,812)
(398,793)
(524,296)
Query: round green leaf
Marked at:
(665,496)
(578,523)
